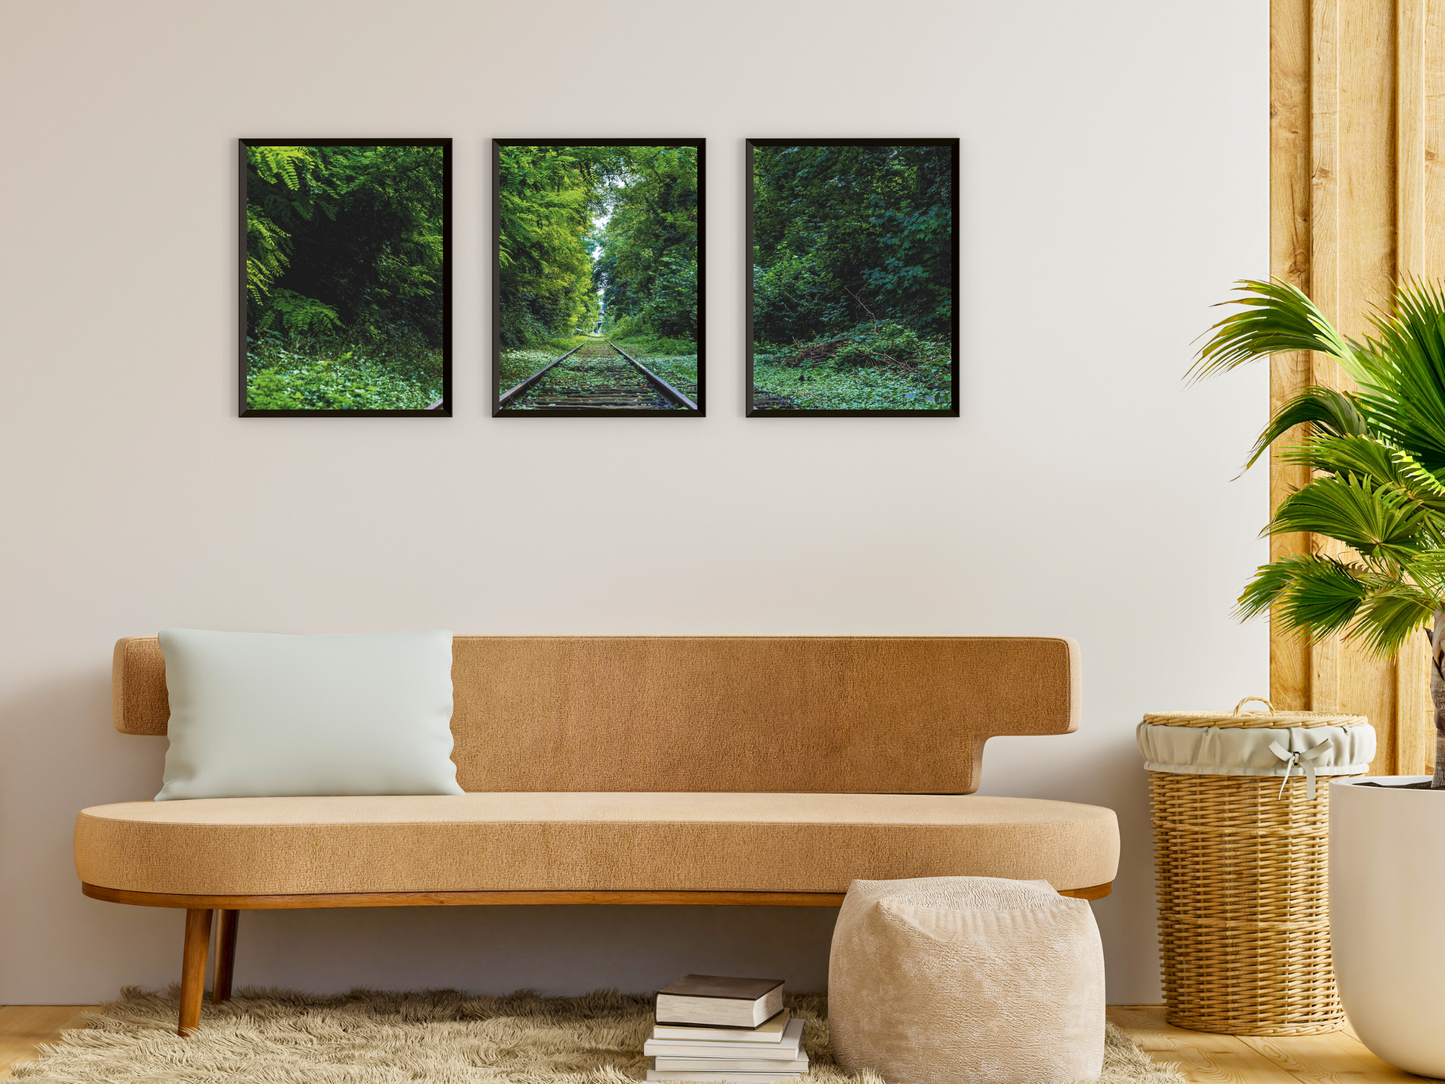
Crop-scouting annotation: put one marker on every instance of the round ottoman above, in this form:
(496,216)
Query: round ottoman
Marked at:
(966,979)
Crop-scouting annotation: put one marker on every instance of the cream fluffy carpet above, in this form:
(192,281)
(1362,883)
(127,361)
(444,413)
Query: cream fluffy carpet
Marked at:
(437,1037)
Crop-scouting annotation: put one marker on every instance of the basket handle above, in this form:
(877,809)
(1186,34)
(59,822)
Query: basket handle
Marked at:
(1247,699)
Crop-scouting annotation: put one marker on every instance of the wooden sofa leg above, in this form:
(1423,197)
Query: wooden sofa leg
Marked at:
(193,968)
(225,956)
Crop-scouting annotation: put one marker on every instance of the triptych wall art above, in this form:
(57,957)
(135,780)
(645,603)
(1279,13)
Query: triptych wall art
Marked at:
(598,262)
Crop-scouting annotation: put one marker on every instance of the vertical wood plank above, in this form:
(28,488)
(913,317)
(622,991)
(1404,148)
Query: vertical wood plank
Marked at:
(1410,138)
(1415,725)
(1289,224)
(1366,264)
(1324,273)
(1369,143)
(1416,68)
(1432,59)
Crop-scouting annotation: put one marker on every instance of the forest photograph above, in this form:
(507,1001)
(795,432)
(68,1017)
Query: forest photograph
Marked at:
(346,288)
(597,295)
(852,294)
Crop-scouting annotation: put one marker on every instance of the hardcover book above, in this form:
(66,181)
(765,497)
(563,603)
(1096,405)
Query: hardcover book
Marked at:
(787,1049)
(721,1078)
(719,1001)
(770,1031)
(734,1065)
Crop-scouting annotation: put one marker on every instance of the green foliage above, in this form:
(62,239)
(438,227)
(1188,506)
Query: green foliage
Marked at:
(298,315)
(669,359)
(647,260)
(546,197)
(849,387)
(671,305)
(587,228)
(847,233)
(637,337)
(874,366)
(346,240)
(325,376)
(1378,463)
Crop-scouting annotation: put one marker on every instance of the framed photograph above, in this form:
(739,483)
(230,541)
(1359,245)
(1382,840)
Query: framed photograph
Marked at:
(345,277)
(852,286)
(597,303)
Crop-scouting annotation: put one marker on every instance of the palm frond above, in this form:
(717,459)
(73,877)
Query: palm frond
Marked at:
(1377,521)
(1310,594)
(1390,617)
(1318,596)
(1364,457)
(1404,390)
(1325,410)
(1427,570)
(1274,318)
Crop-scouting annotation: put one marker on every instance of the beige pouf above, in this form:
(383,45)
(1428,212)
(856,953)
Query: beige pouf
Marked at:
(966,980)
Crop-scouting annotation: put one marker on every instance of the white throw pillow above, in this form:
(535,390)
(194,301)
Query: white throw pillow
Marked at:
(259,714)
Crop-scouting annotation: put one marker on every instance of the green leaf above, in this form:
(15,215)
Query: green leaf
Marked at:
(1375,520)
(1326,410)
(1274,318)
(1311,594)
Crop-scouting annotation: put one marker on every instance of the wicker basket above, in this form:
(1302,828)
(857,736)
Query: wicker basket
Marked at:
(1243,885)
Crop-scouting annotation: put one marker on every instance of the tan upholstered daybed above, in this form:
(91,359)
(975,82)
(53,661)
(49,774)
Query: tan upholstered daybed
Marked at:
(665,770)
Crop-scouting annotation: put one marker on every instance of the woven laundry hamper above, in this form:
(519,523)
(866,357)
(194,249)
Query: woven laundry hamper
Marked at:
(1241,846)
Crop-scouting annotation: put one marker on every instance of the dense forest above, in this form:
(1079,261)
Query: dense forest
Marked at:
(853,277)
(345,305)
(597,240)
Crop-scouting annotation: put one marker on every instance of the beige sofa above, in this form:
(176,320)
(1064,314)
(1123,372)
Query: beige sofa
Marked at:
(659,770)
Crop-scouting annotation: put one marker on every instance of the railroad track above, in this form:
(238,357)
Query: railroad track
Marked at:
(596,376)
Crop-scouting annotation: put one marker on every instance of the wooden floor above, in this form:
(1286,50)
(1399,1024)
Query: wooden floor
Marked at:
(1336,1058)
(24,1027)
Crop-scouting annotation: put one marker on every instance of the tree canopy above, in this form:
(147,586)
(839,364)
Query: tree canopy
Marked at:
(585,230)
(847,233)
(346,240)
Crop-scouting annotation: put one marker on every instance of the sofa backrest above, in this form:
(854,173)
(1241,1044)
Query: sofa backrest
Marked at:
(847,714)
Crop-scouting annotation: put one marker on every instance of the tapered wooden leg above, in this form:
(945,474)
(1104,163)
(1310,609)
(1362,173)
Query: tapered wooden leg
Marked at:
(225,956)
(193,968)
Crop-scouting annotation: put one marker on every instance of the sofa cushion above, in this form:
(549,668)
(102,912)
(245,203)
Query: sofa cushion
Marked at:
(254,714)
(544,841)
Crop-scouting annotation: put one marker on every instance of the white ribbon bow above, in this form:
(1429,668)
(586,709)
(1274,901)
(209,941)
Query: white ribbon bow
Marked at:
(1304,759)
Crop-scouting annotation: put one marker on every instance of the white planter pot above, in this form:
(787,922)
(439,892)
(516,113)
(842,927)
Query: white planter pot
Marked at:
(1387,890)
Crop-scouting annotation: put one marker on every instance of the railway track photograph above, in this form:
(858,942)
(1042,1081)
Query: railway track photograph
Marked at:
(597,303)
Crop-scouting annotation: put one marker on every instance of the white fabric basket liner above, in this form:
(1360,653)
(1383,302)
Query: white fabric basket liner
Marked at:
(1225,750)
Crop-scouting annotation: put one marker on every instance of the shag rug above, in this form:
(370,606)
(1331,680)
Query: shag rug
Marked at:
(437,1037)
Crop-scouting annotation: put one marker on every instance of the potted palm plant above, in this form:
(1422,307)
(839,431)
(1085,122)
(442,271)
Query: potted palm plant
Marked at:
(1377,457)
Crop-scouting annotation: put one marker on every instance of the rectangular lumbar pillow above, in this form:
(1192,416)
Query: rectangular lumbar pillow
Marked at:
(260,714)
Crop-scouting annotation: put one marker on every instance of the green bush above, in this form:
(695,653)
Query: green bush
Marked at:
(323,377)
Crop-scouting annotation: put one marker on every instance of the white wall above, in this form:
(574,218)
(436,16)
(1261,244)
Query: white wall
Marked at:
(1114,184)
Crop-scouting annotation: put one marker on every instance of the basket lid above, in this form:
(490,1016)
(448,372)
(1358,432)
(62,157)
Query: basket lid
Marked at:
(1254,718)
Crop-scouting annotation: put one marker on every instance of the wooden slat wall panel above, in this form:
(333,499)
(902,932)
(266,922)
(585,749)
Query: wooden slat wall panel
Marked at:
(1432,87)
(1419,186)
(1357,190)
(1291,167)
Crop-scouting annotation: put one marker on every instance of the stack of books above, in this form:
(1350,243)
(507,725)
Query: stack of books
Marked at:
(711,1028)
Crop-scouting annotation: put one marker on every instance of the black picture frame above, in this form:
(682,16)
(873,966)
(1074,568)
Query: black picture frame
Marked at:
(504,400)
(751,405)
(442,406)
